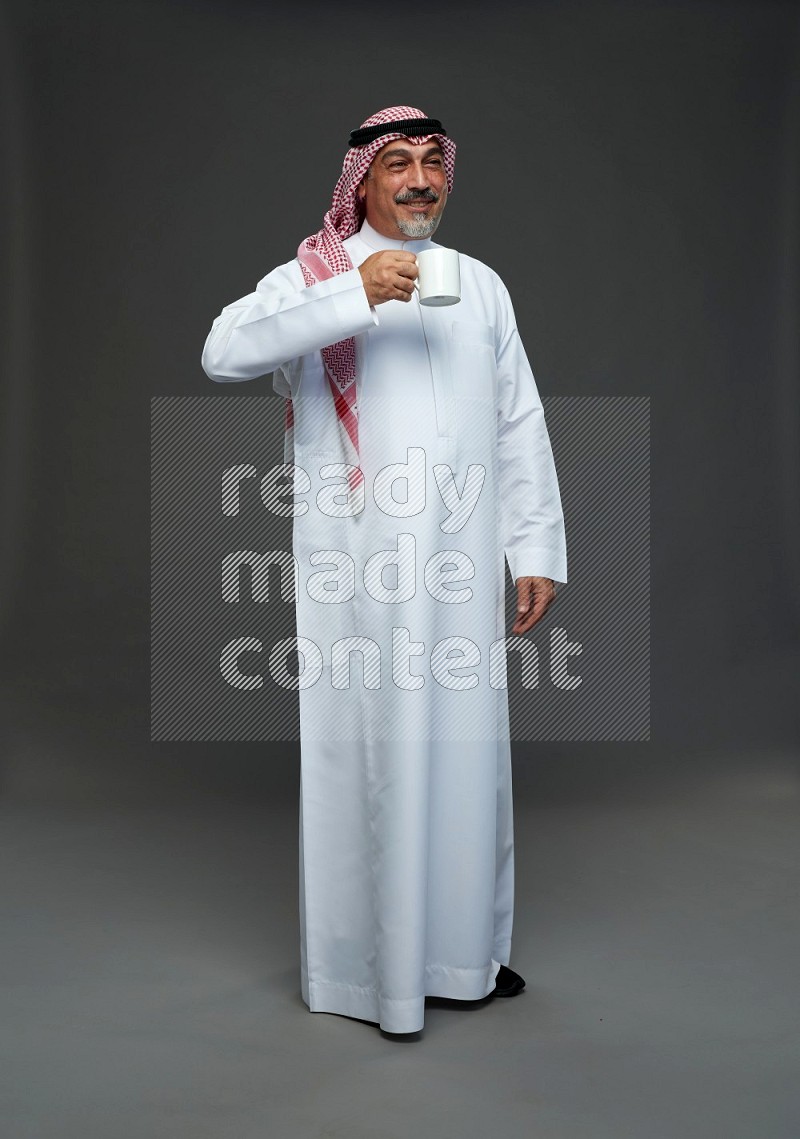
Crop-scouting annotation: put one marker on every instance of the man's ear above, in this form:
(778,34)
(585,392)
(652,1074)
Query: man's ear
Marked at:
(362,189)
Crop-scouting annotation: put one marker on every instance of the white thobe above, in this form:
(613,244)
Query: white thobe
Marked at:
(406,838)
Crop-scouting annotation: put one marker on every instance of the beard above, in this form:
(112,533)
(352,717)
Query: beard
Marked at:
(418,227)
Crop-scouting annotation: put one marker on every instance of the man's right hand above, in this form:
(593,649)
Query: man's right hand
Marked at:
(389,276)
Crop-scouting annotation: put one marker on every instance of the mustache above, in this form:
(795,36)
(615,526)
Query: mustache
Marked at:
(416,196)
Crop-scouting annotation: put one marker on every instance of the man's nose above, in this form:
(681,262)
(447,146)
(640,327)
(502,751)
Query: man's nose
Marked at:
(419,179)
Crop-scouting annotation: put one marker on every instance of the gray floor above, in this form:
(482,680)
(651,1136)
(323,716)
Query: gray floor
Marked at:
(150,957)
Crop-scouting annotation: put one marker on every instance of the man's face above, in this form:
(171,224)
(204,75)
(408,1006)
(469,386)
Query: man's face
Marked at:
(405,189)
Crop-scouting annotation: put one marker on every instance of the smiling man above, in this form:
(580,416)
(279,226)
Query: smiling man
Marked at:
(406,835)
(407,190)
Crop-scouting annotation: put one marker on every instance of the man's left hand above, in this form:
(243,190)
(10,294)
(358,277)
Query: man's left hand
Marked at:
(535,595)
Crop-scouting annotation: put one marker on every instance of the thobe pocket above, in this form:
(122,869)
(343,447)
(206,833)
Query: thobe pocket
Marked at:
(473,362)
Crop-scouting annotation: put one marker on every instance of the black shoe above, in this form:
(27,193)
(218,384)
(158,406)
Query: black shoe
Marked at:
(507,983)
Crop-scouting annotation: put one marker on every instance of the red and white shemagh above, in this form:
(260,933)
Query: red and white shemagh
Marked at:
(322,255)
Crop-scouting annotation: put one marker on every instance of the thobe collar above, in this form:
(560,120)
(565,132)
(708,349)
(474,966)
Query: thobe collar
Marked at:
(376,240)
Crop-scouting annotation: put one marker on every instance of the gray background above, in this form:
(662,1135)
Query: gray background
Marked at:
(631,171)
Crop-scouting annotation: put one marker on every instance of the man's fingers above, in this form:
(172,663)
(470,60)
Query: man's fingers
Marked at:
(524,600)
(527,620)
(534,597)
(408,269)
(389,275)
(404,288)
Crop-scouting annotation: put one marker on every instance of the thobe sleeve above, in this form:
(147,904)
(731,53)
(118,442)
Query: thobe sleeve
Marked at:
(531,515)
(283,320)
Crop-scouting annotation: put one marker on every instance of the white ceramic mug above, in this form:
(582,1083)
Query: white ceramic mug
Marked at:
(439,280)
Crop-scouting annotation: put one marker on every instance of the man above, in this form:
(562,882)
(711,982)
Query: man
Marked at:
(420,457)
